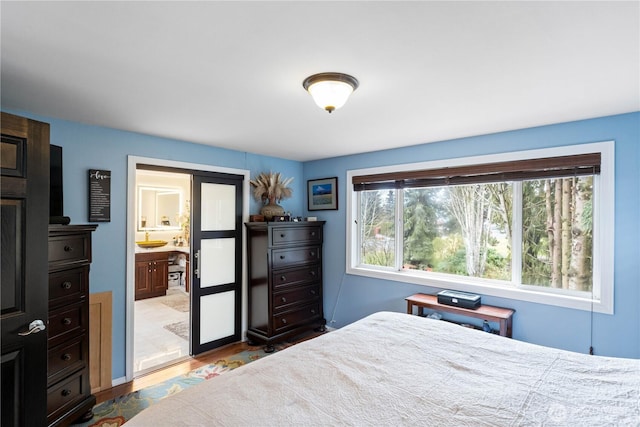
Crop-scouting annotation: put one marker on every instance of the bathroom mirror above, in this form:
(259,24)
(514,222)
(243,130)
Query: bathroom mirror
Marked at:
(159,208)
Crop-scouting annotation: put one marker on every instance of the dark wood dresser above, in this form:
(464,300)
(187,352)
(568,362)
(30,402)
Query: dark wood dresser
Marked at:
(69,395)
(285,280)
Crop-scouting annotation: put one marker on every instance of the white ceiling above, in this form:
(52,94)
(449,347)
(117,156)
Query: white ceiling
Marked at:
(230,74)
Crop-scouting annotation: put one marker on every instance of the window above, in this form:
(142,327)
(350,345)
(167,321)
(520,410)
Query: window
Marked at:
(535,226)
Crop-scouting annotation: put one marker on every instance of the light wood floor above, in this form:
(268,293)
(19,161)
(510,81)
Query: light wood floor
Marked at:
(183,367)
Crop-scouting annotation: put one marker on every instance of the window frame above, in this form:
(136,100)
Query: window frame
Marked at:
(599,300)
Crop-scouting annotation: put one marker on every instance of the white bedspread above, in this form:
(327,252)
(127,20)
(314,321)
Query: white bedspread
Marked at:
(395,369)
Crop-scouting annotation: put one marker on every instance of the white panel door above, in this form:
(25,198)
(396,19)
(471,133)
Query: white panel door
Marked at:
(217,261)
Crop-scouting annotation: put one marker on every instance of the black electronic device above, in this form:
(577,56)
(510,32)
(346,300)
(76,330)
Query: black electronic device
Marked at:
(62,220)
(459,299)
(56,203)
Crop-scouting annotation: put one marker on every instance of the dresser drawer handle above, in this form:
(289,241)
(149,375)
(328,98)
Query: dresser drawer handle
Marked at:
(66,392)
(66,285)
(312,291)
(283,299)
(313,311)
(312,272)
(312,253)
(281,256)
(284,321)
(66,357)
(66,321)
(282,235)
(68,248)
(313,234)
(283,278)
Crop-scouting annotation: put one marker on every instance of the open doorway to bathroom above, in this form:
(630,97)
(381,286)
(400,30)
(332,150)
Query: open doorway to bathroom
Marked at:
(206,291)
(162,260)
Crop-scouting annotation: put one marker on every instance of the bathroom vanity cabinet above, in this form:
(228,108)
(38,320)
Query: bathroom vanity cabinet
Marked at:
(153,269)
(152,274)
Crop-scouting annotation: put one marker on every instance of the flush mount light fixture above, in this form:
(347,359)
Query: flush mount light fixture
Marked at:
(330,90)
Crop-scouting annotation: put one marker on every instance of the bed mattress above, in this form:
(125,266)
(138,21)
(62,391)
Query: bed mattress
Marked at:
(393,369)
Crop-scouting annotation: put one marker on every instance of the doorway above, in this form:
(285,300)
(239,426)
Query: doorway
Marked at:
(162,254)
(160,313)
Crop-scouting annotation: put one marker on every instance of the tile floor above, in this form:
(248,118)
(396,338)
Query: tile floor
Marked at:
(153,344)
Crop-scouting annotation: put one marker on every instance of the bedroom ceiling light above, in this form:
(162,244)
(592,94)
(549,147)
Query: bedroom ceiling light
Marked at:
(330,91)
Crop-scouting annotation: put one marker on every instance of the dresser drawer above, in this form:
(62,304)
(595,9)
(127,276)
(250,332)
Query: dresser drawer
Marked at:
(67,322)
(68,286)
(289,257)
(67,358)
(69,249)
(293,318)
(290,297)
(298,276)
(281,236)
(66,393)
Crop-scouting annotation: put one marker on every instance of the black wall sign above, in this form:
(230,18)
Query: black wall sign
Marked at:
(99,195)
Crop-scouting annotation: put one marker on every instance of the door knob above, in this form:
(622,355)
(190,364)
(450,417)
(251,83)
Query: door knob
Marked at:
(34,327)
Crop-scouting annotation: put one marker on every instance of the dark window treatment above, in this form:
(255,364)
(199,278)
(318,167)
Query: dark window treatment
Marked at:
(519,170)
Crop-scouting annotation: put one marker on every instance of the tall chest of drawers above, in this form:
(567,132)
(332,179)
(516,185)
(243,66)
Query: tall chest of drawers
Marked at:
(69,395)
(285,280)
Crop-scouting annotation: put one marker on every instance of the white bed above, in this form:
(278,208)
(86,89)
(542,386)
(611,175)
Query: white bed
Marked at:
(396,369)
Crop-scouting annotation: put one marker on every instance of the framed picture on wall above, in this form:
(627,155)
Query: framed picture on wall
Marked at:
(322,194)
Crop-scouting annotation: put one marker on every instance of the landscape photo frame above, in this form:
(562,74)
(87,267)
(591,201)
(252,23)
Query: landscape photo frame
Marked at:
(322,194)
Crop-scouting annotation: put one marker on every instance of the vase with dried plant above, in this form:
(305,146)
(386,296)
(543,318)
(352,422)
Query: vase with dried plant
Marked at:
(184,221)
(270,188)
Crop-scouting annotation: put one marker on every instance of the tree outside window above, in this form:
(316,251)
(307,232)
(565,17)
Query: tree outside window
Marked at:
(468,230)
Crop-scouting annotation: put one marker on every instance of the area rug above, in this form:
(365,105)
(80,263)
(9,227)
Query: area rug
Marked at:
(115,412)
(179,301)
(181,329)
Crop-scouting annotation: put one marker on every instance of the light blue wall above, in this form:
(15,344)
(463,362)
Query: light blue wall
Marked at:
(90,147)
(348,297)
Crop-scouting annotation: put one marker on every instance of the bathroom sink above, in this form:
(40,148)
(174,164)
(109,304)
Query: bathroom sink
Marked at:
(148,244)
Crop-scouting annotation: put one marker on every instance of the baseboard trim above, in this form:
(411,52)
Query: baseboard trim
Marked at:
(118,381)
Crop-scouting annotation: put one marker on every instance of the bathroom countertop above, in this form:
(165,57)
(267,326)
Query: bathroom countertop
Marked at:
(165,248)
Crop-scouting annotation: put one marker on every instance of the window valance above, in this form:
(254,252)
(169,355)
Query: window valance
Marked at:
(550,167)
